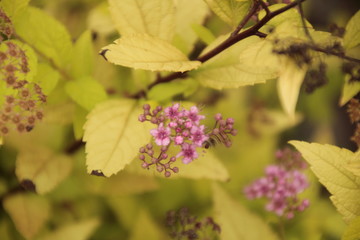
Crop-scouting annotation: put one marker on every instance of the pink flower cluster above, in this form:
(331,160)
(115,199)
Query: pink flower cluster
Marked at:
(180,128)
(280,186)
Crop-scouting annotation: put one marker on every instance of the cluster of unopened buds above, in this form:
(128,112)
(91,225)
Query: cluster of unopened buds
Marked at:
(281,185)
(180,129)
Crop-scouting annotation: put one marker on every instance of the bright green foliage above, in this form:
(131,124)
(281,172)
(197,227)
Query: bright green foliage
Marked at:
(352,231)
(289,83)
(86,92)
(81,230)
(328,164)
(46,35)
(113,136)
(14,8)
(28,212)
(352,32)
(82,61)
(43,167)
(46,77)
(142,51)
(227,71)
(230,11)
(155,18)
(237,223)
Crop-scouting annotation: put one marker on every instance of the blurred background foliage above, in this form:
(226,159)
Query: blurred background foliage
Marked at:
(128,207)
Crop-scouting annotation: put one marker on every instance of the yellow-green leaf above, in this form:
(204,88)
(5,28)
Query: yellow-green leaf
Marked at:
(230,11)
(145,228)
(352,231)
(289,84)
(350,89)
(29,213)
(155,17)
(113,135)
(352,32)
(46,77)
(354,165)
(79,121)
(82,62)
(45,34)
(75,231)
(43,167)
(145,52)
(99,20)
(328,164)
(14,8)
(203,33)
(236,221)
(86,92)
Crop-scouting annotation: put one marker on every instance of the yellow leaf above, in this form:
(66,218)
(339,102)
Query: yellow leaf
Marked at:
(354,165)
(236,222)
(328,163)
(289,84)
(145,228)
(99,20)
(75,231)
(29,213)
(145,52)
(43,167)
(113,135)
(350,89)
(155,17)
(230,11)
(352,32)
(352,231)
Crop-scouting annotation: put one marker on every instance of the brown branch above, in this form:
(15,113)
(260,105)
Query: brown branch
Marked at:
(246,19)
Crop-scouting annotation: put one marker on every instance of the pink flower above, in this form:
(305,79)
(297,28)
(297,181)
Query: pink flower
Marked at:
(197,135)
(161,135)
(178,140)
(193,115)
(173,111)
(188,152)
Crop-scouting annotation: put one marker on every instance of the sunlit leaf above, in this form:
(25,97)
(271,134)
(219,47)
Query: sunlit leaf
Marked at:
(155,18)
(14,8)
(82,61)
(145,228)
(352,32)
(43,167)
(46,77)
(148,53)
(113,135)
(75,231)
(354,165)
(289,84)
(203,33)
(352,231)
(230,11)
(86,92)
(350,89)
(99,20)
(45,34)
(29,213)
(328,164)
(238,223)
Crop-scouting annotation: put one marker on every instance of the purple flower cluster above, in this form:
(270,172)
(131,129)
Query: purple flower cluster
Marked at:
(180,128)
(280,186)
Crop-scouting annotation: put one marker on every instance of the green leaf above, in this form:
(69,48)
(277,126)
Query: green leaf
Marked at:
(226,71)
(203,33)
(142,51)
(79,121)
(86,92)
(236,222)
(289,84)
(47,78)
(82,62)
(14,8)
(145,228)
(75,231)
(352,32)
(155,18)
(352,231)
(45,34)
(350,89)
(29,213)
(43,167)
(113,135)
(328,164)
(230,11)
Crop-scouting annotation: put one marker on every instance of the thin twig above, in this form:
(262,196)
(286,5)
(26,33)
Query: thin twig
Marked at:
(306,30)
(329,52)
(246,19)
(264,6)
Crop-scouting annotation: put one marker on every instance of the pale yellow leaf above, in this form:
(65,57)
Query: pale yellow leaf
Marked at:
(230,11)
(113,135)
(352,231)
(328,163)
(236,221)
(352,32)
(289,84)
(155,17)
(145,52)
(350,89)
(354,165)
(75,231)
(29,213)
(43,167)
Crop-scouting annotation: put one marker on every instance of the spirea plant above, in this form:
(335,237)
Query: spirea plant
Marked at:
(116,112)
